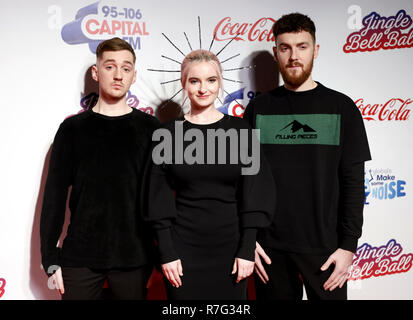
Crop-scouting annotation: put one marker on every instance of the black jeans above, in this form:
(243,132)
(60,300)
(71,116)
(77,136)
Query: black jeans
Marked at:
(87,284)
(288,272)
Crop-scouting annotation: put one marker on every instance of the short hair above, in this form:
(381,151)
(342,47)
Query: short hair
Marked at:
(114,44)
(293,22)
(200,56)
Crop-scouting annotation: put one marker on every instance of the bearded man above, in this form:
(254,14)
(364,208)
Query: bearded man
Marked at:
(315,141)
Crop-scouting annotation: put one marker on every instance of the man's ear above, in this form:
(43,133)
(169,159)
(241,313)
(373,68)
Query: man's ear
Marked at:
(134,76)
(274,50)
(316,49)
(95,73)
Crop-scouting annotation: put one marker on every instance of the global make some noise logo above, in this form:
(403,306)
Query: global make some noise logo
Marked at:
(100,21)
(2,285)
(381,184)
(260,30)
(372,261)
(381,32)
(395,109)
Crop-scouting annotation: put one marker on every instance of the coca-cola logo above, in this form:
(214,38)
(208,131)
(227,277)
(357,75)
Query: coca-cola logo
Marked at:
(260,30)
(395,109)
(372,261)
(381,32)
(2,285)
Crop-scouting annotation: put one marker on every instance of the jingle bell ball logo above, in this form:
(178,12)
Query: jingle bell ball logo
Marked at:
(380,32)
(2,285)
(382,184)
(370,261)
(104,20)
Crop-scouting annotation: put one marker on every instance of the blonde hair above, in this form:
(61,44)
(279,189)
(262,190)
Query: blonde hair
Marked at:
(200,56)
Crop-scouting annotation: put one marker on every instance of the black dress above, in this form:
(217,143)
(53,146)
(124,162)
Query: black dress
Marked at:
(207,214)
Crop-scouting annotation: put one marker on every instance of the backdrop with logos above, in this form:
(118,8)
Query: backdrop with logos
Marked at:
(48,50)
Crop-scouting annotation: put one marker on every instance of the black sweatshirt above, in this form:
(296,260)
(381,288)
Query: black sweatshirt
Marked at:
(103,159)
(316,145)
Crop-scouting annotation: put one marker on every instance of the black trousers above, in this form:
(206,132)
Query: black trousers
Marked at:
(288,272)
(87,284)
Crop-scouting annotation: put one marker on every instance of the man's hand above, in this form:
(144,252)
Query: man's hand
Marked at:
(55,281)
(342,260)
(259,268)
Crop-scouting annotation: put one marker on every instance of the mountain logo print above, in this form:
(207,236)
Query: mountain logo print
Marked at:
(295,126)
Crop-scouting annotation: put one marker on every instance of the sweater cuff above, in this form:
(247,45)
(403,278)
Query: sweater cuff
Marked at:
(167,252)
(51,261)
(246,248)
(348,243)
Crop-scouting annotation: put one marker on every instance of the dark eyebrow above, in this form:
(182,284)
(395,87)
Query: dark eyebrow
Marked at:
(113,60)
(283,44)
(298,44)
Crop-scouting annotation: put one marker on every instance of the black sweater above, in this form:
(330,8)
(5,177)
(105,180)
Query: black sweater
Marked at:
(102,158)
(316,144)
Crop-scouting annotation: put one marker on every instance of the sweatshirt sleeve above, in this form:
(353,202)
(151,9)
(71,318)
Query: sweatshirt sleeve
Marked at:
(350,219)
(257,199)
(249,114)
(160,209)
(351,177)
(59,179)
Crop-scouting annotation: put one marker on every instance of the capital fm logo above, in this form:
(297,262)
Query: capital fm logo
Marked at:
(380,32)
(104,20)
(2,285)
(231,105)
(382,184)
(370,261)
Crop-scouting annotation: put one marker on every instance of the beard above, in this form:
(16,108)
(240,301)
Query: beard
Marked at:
(297,78)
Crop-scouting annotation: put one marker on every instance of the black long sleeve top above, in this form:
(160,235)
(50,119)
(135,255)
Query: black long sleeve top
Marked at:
(208,205)
(102,158)
(316,144)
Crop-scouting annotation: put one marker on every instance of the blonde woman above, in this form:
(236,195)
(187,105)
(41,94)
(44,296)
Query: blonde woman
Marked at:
(204,210)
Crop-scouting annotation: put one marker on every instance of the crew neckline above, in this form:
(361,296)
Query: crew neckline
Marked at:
(310,91)
(103,116)
(204,124)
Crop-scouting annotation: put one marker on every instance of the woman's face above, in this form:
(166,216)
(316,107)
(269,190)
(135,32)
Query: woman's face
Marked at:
(202,84)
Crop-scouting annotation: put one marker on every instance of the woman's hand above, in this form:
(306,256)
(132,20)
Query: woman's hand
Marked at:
(244,268)
(173,271)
